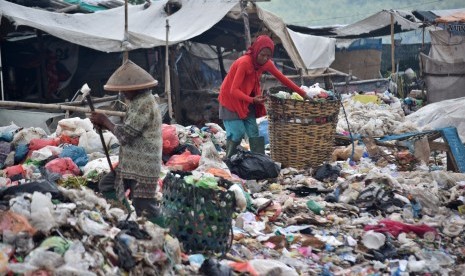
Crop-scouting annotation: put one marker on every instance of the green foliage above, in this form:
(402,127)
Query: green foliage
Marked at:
(333,12)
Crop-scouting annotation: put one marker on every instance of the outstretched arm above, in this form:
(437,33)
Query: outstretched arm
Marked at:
(284,80)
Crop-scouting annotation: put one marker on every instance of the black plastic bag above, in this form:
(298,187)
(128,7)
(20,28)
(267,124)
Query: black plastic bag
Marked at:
(43,186)
(327,173)
(252,165)
(212,267)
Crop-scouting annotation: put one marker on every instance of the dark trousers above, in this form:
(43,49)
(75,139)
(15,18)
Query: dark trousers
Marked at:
(144,206)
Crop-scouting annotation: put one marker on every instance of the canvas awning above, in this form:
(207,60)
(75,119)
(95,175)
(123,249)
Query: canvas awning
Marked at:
(379,24)
(104,30)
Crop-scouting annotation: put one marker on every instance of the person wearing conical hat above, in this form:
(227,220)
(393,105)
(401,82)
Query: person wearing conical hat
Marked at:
(140,139)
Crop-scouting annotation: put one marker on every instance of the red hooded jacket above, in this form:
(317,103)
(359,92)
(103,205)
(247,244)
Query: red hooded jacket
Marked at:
(242,83)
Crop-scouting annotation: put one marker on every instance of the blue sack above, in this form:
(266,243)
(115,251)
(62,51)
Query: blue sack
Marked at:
(21,152)
(77,154)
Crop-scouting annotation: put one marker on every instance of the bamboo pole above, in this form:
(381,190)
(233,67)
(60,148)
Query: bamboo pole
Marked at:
(393,65)
(167,73)
(97,100)
(59,107)
(1,74)
(126,36)
(245,17)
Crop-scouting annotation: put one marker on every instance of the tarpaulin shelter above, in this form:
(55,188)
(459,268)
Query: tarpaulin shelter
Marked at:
(104,30)
(379,24)
(214,22)
(444,67)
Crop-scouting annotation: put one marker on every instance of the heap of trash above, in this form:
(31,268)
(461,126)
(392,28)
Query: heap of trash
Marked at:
(357,214)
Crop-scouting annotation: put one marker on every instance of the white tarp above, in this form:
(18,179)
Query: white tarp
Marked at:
(441,114)
(104,30)
(316,51)
(379,21)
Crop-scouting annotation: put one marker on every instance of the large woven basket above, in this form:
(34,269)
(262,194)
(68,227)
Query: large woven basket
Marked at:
(200,218)
(301,133)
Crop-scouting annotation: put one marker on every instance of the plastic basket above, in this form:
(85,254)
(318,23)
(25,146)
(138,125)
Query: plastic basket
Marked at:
(301,133)
(200,218)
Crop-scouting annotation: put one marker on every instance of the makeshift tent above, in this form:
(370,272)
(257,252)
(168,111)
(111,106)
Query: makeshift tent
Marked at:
(379,24)
(444,67)
(104,30)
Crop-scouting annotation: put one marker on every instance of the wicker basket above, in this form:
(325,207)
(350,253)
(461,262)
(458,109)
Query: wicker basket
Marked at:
(200,218)
(301,133)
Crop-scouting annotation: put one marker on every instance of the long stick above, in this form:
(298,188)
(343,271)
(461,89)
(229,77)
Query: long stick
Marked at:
(167,73)
(100,133)
(1,74)
(393,65)
(59,107)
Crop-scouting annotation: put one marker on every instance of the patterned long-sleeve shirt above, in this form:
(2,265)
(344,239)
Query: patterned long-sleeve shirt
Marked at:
(141,147)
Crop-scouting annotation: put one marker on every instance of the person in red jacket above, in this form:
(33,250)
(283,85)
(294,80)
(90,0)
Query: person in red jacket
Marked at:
(241,99)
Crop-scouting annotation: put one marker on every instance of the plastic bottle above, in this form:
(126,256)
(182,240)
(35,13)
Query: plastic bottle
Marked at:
(315,207)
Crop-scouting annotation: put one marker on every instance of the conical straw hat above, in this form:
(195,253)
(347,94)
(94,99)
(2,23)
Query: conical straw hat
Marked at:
(128,77)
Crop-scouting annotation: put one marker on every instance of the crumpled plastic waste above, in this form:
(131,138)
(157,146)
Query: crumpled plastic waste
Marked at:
(395,228)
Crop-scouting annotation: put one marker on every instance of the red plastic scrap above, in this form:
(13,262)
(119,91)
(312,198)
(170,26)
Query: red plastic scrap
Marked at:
(63,166)
(15,223)
(395,228)
(37,144)
(244,267)
(14,170)
(185,161)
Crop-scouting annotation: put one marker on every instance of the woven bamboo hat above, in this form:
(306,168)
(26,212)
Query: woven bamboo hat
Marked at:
(129,77)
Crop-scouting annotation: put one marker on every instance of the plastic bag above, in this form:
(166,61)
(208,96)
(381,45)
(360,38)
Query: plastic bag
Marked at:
(91,142)
(21,152)
(77,154)
(253,165)
(396,227)
(31,187)
(170,138)
(36,144)
(25,135)
(74,126)
(15,223)
(14,171)
(184,162)
(45,153)
(63,166)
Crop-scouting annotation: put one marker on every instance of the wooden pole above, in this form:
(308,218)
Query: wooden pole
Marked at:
(245,17)
(43,80)
(59,107)
(126,36)
(219,54)
(423,39)
(1,73)
(393,65)
(167,73)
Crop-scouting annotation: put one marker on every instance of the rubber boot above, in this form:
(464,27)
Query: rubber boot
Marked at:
(231,148)
(110,195)
(257,144)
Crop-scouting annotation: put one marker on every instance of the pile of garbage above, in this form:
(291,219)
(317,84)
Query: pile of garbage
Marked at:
(346,217)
